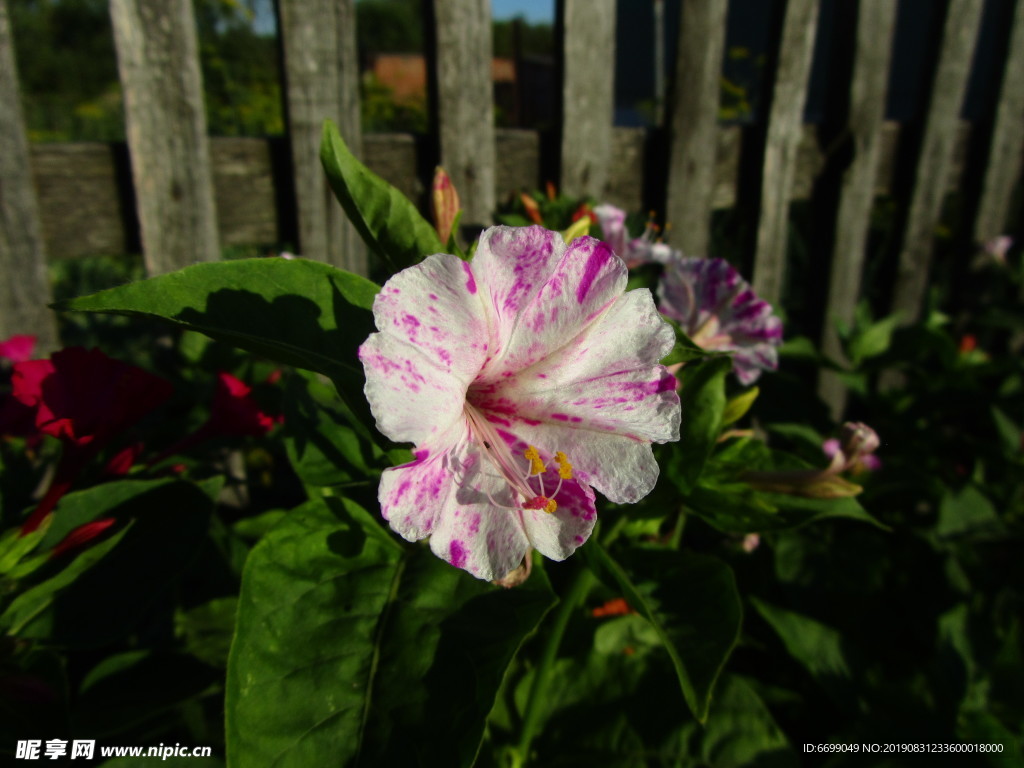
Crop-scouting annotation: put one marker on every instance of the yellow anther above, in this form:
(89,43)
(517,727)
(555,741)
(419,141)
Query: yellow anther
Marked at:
(551,506)
(564,467)
(536,465)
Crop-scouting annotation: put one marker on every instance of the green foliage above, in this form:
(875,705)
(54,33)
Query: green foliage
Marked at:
(347,644)
(388,223)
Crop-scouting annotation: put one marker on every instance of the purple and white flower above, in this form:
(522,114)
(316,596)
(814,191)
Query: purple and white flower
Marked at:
(719,310)
(633,251)
(524,379)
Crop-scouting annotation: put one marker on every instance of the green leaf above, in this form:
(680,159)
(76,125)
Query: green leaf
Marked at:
(703,401)
(353,650)
(873,340)
(298,312)
(129,689)
(967,511)
(736,408)
(14,547)
(388,223)
(207,630)
(692,603)
(89,602)
(817,647)
(741,730)
(33,603)
(322,447)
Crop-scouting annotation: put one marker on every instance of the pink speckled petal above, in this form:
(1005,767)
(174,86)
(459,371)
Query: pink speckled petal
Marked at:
(544,293)
(621,468)
(412,400)
(556,535)
(473,532)
(606,380)
(431,307)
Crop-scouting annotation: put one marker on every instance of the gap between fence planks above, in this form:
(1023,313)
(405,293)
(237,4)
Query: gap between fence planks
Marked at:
(934,161)
(321,71)
(465,104)
(785,120)
(694,125)
(158,61)
(588,97)
(26,284)
(876,23)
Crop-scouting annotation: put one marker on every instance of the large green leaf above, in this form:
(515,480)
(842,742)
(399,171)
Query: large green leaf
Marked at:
(385,219)
(298,312)
(692,603)
(353,650)
(703,403)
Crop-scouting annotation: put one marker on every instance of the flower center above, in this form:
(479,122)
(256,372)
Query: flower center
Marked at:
(511,470)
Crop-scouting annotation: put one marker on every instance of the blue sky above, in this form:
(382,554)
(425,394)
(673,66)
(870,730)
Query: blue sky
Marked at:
(532,10)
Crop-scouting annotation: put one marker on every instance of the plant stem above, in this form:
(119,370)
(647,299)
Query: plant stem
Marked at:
(537,701)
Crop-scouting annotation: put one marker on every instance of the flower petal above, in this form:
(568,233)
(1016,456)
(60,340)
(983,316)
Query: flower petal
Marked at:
(412,400)
(556,535)
(601,399)
(434,307)
(543,292)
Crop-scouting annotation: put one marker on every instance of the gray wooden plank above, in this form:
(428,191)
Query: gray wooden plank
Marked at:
(934,162)
(158,61)
(1006,150)
(785,120)
(694,125)
(588,97)
(876,22)
(321,72)
(465,104)
(25,288)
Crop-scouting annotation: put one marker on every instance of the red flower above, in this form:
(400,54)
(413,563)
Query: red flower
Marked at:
(234,412)
(18,349)
(84,397)
(617,606)
(82,535)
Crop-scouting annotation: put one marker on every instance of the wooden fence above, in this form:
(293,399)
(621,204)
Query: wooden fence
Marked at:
(187,195)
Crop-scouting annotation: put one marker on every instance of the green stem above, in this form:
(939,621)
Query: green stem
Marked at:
(677,533)
(537,701)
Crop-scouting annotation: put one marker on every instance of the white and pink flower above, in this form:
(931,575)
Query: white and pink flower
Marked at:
(635,251)
(524,379)
(719,310)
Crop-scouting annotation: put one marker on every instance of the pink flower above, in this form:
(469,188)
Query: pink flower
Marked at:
(634,251)
(18,349)
(523,380)
(719,310)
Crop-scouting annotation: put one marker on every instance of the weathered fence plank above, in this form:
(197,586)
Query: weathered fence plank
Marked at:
(694,127)
(158,60)
(876,23)
(588,96)
(1006,150)
(785,119)
(26,284)
(321,71)
(936,155)
(465,103)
